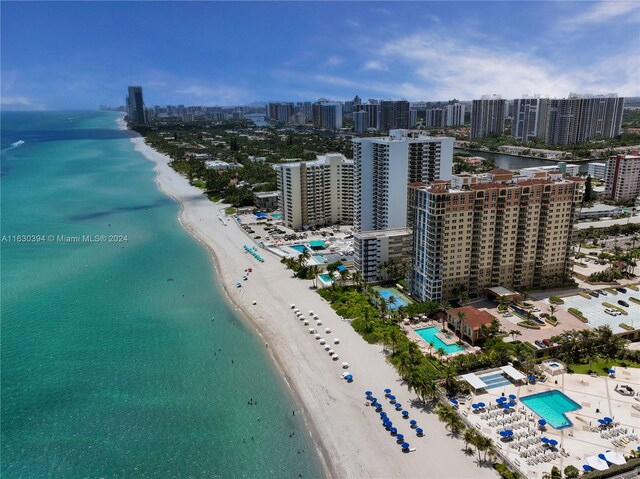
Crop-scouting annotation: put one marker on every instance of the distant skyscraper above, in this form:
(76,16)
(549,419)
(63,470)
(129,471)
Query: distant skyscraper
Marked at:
(327,114)
(135,105)
(394,115)
(568,121)
(525,120)
(361,121)
(487,116)
(373,109)
(280,111)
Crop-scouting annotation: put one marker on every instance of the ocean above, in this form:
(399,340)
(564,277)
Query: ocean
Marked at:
(120,357)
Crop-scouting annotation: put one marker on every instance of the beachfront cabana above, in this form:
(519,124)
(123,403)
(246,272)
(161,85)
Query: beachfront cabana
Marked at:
(513,374)
(614,457)
(474,381)
(597,463)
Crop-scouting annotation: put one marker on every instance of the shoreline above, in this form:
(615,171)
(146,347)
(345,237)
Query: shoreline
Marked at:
(347,435)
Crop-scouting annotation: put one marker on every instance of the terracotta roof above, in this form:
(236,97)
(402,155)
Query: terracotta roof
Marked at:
(500,171)
(473,318)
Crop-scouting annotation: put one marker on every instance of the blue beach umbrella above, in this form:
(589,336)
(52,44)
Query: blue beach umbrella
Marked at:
(602,421)
(368,394)
(394,431)
(482,405)
(383,414)
(454,401)
(553,442)
(541,422)
(405,445)
(419,432)
(475,406)
(511,404)
(387,392)
(503,433)
(612,371)
(607,419)
(587,468)
(405,414)
(544,440)
(400,438)
(601,456)
(398,407)
(512,396)
(413,423)
(373,400)
(349,377)
(501,399)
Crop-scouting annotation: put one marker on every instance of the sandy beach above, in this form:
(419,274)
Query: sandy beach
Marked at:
(349,435)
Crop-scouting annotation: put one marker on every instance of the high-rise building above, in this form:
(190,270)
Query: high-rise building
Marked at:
(327,114)
(477,235)
(360,121)
(487,116)
(525,119)
(623,177)
(316,193)
(444,116)
(279,111)
(383,167)
(394,115)
(373,109)
(135,105)
(568,121)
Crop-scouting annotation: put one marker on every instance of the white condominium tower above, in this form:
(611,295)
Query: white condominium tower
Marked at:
(316,193)
(477,234)
(383,168)
(623,177)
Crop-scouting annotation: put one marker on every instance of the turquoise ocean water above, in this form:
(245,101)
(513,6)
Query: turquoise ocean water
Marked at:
(111,363)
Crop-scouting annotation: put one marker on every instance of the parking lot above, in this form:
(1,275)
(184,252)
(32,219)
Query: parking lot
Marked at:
(594,310)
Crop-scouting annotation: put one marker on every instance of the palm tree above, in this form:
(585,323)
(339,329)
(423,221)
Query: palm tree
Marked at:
(514,333)
(440,352)
(344,276)
(552,309)
(314,271)
(469,438)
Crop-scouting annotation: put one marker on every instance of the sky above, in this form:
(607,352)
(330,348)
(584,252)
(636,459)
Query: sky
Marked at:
(64,55)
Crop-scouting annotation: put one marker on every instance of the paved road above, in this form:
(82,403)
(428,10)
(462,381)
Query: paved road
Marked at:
(604,224)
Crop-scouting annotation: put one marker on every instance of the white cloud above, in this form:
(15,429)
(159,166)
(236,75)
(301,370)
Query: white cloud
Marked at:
(437,69)
(602,12)
(21,103)
(334,60)
(375,65)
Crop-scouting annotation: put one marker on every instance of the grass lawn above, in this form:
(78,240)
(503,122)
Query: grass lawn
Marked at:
(601,368)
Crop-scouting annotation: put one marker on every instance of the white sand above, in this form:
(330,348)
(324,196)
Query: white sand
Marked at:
(349,435)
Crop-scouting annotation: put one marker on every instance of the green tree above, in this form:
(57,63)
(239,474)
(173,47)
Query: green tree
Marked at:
(556,473)
(570,472)
(589,195)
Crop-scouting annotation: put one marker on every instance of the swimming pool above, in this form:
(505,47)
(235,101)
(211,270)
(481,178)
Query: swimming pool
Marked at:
(276,216)
(326,277)
(299,247)
(429,335)
(399,299)
(551,406)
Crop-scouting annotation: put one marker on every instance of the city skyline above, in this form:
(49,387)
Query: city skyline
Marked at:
(217,53)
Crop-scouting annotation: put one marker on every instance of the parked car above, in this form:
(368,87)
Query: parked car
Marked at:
(540,344)
(611,312)
(547,342)
(535,310)
(593,293)
(623,303)
(603,292)
(622,290)
(507,314)
(544,315)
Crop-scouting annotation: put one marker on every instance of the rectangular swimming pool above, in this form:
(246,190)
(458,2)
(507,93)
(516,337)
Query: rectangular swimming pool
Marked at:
(495,380)
(429,335)
(551,406)
(298,247)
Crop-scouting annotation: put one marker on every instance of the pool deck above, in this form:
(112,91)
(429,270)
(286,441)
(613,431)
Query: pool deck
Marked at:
(576,443)
(424,345)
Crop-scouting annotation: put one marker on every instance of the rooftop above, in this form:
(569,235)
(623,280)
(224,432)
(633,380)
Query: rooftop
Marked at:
(473,318)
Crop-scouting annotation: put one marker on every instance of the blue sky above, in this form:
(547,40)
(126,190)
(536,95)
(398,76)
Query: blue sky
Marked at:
(82,54)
